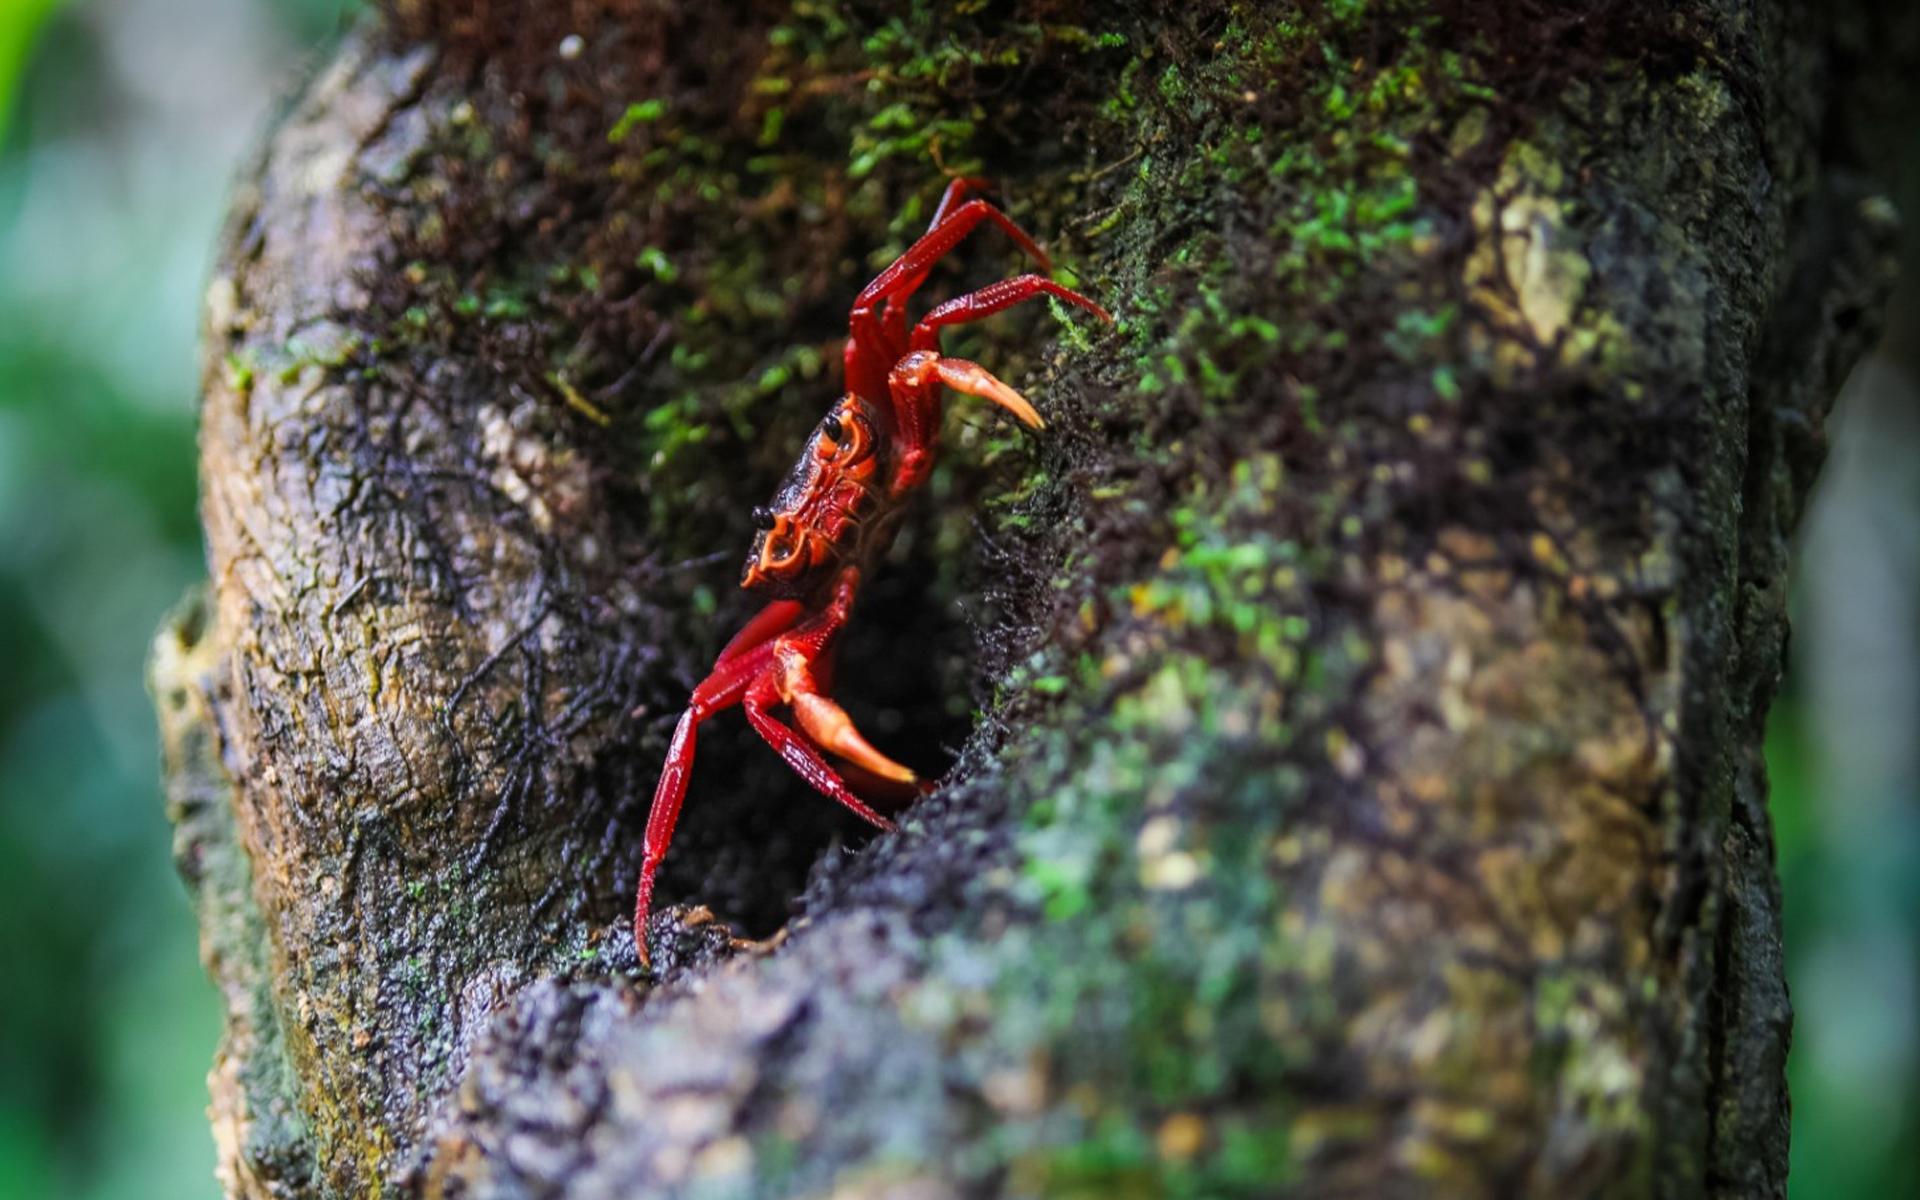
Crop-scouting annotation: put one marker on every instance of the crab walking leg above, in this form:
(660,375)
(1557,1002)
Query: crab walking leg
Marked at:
(717,692)
(935,244)
(870,344)
(956,188)
(894,315)
(767,624)
(975,306)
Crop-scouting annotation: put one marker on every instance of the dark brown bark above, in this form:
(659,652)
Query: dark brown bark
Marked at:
(1370,662)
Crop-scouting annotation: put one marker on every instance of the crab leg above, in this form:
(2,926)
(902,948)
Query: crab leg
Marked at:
(957,188)
(767,624)
(975,306)
(802,661)
(894,315)
(899,279)
(871,345)
(772,660)
(721,690)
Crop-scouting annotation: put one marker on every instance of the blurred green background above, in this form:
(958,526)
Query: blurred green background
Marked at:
(121,123)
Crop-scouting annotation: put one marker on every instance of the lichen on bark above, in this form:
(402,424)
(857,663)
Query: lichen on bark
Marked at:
(1361,789)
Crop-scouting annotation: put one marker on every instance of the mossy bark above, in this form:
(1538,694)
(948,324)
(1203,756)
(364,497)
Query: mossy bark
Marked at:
(1357,689)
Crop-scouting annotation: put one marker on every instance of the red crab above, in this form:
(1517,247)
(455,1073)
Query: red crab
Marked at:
(835,514)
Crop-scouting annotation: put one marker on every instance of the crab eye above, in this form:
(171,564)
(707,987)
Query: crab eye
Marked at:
(831,427)
(763,517)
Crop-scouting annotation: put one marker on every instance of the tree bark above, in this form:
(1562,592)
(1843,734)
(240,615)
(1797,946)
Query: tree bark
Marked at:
(1358,688)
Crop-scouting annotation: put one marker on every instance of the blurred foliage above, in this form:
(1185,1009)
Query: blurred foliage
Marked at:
(120,123)
(20,21)
(1844,756)
(1856,1096)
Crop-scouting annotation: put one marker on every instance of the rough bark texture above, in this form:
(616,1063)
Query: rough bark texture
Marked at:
(1357,691)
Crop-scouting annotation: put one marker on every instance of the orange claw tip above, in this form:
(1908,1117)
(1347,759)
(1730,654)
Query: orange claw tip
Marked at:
(856,749)
(975,380)
(1016,404)
(827,723)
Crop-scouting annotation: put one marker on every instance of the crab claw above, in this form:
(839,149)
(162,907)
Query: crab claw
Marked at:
(832,729)
(976,380)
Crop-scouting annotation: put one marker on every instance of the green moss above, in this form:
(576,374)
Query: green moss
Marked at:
(321,344)
(1119,1159)
(655,262)
(644,113)
(239,372)
(1155,942)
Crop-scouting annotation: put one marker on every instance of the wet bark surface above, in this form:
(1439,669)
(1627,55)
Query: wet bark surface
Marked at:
(1349,708)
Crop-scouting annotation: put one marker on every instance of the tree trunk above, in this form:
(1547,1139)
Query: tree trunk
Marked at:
(1357,688)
